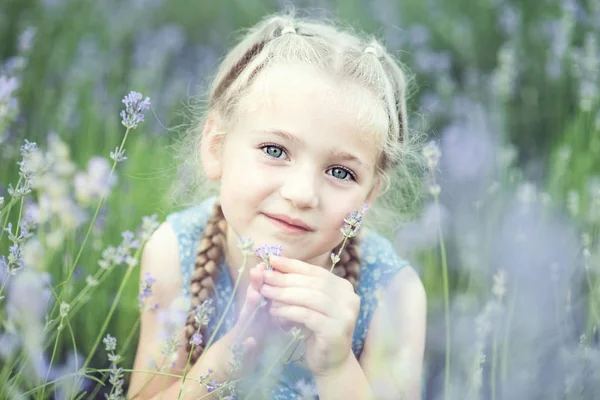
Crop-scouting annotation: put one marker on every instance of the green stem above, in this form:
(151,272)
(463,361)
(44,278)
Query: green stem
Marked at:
(231,298)
(333,263)
(110,313)
(51,361)
(446,298)
(494,364)
(511,310)
(187,368)
(91,225)
(123,350)
(271,367)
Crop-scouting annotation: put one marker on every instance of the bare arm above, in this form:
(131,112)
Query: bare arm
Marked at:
(160,258)
(392,357)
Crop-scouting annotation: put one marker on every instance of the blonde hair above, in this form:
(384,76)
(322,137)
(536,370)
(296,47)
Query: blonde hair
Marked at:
(286,38)
(289,39)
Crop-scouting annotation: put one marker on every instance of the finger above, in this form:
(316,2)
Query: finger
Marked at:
(328,285)
(256,278)
(313,320)
(304,297)
(291,265)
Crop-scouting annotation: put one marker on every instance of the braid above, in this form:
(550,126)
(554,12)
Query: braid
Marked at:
(349,265)
(210,253)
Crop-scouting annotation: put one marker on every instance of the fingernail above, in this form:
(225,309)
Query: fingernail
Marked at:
(266,287)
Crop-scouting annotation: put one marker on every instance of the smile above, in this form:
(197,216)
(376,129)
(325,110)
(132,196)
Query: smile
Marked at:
(289,225)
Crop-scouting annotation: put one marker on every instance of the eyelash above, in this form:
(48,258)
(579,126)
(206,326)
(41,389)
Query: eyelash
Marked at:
(264,146)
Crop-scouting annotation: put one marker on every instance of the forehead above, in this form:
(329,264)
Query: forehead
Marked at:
(306,101)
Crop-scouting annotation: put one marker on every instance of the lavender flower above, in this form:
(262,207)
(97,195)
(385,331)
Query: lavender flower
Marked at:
(265,252)
(110,343)
(203,312)
(27,170)
(432,155)
(352,223)
(116,373)
(118,155)
(134,108)
(205,376)
(149,225)
(245,244)
(94,183)
(145,288)
(196,339)
(212,386)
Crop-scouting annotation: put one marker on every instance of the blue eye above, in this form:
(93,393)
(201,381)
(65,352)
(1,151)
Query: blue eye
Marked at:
(342,174)
(273,151)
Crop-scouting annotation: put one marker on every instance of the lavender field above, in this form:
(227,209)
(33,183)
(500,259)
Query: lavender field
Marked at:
(505,235)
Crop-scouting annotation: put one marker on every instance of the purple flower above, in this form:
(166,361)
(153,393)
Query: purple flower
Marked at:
(134,109)
(145,288)
(212,385)
(118,155)
(245,244)
(196,339)
(110,342)
(203,311)
(353,222)
(265,252)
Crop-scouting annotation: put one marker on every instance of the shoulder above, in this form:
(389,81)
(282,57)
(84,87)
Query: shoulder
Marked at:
(160,259)
(379,258)
(191,220)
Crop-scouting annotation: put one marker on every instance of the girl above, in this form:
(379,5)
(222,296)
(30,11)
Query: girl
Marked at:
(305,123)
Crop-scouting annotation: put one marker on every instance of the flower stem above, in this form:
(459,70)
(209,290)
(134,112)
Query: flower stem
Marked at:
(271,367)
(231,298)
(92,222)
(446,296)
(333,263)
(110,313)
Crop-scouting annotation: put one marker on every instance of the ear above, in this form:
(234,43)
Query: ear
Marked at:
(210,150)
(374,192)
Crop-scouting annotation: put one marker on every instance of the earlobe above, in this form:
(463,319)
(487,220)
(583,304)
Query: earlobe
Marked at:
(210,150)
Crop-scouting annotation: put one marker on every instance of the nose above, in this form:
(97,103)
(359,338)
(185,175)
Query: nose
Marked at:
(300,187)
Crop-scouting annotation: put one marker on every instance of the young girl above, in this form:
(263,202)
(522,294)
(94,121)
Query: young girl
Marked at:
(305,123)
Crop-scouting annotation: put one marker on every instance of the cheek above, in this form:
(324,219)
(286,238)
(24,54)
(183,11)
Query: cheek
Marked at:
(244,176)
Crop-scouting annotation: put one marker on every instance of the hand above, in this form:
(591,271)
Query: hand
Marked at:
(322,302)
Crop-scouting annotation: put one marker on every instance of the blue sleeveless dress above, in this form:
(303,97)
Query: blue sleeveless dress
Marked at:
(379,263)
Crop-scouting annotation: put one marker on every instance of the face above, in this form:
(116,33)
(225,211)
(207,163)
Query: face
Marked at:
(295,163)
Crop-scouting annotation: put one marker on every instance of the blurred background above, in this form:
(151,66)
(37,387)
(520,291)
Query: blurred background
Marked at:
(509,90)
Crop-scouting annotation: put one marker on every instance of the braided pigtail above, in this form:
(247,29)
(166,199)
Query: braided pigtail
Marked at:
(210,253)
(349,265)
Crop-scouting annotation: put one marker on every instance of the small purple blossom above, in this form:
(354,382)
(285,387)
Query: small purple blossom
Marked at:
(134,109)
(265,252)
(212,386)
(203,312)
(196,339)
(145,288)
(118,155)
(245,244)
(353,222)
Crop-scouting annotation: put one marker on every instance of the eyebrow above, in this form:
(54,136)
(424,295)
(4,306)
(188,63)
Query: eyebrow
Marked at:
(345,156)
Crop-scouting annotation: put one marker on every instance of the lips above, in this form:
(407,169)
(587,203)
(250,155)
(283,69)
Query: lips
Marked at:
(297,223)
